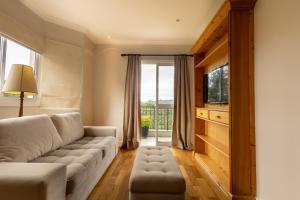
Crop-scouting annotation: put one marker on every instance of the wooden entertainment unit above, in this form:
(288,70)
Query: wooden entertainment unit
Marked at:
(225,133)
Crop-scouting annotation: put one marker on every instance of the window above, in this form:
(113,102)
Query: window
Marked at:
(13,53)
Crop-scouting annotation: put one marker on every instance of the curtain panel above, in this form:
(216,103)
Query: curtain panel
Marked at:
(182,125)
(132,112)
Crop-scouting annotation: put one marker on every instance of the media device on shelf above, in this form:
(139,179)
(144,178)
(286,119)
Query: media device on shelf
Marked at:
(216,86)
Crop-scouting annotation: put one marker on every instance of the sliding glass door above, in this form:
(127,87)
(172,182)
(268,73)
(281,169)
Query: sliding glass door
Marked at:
(157,101)
(164,103)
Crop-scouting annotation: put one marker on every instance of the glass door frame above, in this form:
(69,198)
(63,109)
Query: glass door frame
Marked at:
(158,65)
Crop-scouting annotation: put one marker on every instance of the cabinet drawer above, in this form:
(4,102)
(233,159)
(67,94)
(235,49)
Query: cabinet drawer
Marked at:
(202,113)
(219,116)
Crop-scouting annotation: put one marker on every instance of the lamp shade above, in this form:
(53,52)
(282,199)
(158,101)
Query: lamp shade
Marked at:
(20,79)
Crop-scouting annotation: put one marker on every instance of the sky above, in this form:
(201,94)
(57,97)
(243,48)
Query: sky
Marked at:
(148,82)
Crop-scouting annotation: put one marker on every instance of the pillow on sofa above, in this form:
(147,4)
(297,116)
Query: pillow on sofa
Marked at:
(26,138)
(69,126)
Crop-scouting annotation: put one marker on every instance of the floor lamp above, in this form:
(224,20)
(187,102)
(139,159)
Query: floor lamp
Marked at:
(20,81)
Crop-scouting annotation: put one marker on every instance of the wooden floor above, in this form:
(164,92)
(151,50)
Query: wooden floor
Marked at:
(114,184)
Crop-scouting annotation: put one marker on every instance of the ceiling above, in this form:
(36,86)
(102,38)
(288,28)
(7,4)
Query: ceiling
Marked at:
(130,21)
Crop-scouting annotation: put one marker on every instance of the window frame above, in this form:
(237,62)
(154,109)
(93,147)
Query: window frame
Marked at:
(35,59)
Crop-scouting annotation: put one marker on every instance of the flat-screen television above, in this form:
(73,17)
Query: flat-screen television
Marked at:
(216,86)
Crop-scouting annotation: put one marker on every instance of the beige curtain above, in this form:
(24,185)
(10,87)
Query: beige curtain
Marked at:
(132,112)
(182,125)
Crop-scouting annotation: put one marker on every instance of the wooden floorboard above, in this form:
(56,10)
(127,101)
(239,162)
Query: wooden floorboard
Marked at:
(114,184)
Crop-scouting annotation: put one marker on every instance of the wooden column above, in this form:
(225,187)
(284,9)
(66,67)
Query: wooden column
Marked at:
(242,130)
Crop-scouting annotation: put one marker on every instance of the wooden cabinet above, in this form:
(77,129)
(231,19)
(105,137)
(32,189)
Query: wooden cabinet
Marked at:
(225,134)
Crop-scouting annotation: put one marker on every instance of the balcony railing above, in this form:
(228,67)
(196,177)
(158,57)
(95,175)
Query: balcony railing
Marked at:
(165,116)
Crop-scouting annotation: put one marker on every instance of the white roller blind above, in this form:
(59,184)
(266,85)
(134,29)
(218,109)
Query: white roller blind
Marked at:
(61,76)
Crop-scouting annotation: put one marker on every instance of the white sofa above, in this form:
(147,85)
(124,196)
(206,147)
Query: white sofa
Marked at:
(53,158)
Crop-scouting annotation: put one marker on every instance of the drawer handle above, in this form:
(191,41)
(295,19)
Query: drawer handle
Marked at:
(218,116)
(201,113)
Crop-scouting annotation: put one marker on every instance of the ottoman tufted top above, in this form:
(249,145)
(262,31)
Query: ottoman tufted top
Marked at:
(155,170)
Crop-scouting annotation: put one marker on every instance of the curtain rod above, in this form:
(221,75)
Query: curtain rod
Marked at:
(158,55)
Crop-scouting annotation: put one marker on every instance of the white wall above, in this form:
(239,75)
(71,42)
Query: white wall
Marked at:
(109,80)
(277,98)
(109,85)
(87,98)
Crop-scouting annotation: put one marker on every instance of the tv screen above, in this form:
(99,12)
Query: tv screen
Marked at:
(216,86)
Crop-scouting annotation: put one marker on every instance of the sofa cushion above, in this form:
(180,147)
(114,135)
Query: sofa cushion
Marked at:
(69,126)
(106,144)
(80,164)
(26,138)
(92,143)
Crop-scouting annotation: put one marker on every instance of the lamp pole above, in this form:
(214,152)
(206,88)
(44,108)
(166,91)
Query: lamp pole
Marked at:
(21,104)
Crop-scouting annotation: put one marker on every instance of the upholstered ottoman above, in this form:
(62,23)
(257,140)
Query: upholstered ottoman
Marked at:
(156,176)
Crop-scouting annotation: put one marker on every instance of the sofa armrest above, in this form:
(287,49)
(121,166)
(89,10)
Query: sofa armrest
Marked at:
(100,131)
(34,181)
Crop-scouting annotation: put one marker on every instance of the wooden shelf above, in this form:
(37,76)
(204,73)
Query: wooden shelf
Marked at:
(220,50)
(215,171)
(215,144)
(223,124)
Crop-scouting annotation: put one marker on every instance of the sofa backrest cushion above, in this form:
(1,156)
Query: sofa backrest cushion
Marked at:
(69,126)
(26,138)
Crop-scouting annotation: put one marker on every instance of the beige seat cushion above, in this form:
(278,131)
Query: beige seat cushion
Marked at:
(105,144)
(69,126)
(80,163)
(92,143)
(155,170)
(26,138)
